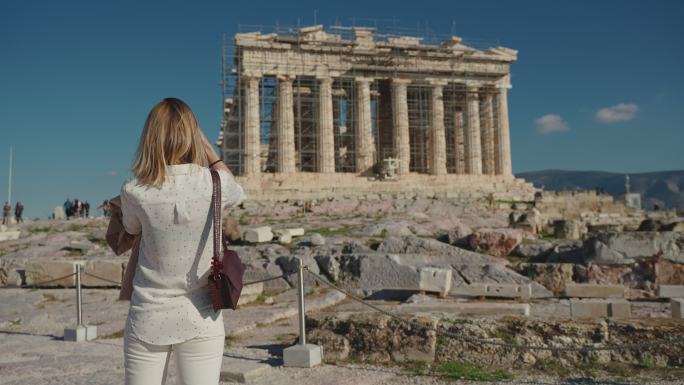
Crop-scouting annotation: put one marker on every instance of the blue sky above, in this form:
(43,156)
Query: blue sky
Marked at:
(598,84)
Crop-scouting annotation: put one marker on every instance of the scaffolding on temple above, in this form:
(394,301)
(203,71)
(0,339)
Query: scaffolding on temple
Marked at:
(453,103)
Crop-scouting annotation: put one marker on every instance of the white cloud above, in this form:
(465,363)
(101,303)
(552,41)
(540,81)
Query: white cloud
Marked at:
(618,113)
(551,123)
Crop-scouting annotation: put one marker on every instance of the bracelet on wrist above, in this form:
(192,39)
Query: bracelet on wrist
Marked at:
(214,162)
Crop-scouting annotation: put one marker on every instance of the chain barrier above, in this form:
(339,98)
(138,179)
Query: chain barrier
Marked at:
(415,323)
(268,279)
(35,285)
(482,341)
(102,278)
(244,284)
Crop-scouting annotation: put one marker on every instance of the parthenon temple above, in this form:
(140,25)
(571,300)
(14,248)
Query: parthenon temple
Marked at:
(346,110)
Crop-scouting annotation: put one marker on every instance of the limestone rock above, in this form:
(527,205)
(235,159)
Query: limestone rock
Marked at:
(497,242)
(289,264)
(387,227)
(624,248)
(439,251)
(9,235)
(553,276)
(258,234)
(231,228)
(317,239)
(38,272)
(284,238)
(677,227)
(329,265)
(533,250)
(567,251)
(668,273)
(469,274)
(111,270)
(567,229)
(335,346)
(458,236)
(388,272)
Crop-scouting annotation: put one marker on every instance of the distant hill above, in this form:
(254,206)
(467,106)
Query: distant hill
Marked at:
(665,188)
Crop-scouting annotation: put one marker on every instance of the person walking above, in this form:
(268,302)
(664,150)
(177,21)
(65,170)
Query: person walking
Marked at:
(67,208)
(6,211)
(86,208)
(18,211)
(168,202)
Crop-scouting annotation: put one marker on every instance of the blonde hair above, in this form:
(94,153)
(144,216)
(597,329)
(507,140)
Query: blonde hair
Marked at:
(171,136)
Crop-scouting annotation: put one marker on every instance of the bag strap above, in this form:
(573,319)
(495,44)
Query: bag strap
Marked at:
(216,217)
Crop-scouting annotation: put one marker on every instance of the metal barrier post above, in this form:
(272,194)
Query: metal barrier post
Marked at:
(81,332)
(300,297)
(302,355)
(79,312)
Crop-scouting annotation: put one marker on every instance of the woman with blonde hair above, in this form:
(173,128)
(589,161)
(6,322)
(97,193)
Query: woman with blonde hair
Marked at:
(168,201)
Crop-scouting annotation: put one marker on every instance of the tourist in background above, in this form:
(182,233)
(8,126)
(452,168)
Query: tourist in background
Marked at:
(105,208)
(68,205)
(18,211)
(6,211)
(86,208)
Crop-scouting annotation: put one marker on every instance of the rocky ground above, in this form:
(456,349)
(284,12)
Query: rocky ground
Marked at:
(356,244)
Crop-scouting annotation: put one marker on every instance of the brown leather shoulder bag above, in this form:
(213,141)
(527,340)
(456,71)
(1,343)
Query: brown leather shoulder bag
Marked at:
(225,278)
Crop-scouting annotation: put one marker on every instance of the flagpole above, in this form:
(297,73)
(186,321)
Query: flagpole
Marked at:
(9,185)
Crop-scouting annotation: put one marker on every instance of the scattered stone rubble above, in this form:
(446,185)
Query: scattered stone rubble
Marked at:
(461,256)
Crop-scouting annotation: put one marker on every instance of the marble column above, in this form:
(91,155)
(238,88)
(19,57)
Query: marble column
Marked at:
(473,142)
(402,148)
(285,126)
(487,129)
(363,135)
(503,164)
(437,158)
(252,147)
(326,141)
(459,143)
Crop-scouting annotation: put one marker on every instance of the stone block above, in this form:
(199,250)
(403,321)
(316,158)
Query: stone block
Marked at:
(296,232)
(38,272)
(388,272)
(599,308)
(508,291)
(671,291)
(677,307)
(110,270)
(9,235)
(590,290)
(292,232)
(58,213)
(436,280)
(303,356)
(258,234)
(284,238)
(242,371)
(448,308)
(80,333)
(620,309)
(494,290)
(251,292)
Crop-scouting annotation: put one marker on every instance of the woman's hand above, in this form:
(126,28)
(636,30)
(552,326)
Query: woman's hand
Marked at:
(212,156)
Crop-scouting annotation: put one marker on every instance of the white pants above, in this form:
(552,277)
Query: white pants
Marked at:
(198,361)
